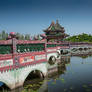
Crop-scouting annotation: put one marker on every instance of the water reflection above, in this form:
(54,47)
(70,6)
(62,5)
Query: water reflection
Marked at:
(77,77)
(36,85)
(74,75)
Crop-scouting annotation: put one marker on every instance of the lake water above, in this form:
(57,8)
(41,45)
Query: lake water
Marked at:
(77,77)
(74,76)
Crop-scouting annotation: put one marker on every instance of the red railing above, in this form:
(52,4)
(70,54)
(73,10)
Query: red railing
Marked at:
(16,60)
(80,43)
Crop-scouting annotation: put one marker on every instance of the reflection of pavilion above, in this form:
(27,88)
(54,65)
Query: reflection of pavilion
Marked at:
(61,68)
(65,59)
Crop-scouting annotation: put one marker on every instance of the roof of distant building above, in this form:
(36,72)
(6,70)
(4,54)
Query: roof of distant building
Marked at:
(55,27)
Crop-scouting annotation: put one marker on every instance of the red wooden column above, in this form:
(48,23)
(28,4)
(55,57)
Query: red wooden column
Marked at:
(14,52)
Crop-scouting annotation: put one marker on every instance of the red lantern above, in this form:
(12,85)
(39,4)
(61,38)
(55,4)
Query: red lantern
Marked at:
(12,33)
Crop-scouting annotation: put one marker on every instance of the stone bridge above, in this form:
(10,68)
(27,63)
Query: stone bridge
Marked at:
(20,58)
(15,78)
(81,48)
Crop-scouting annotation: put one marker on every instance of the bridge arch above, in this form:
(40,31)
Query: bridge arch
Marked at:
(64,51)
(34,74)
(26,71)
(80,49)
(85,49)
(52,60)
(7,77)
(5,83)
(51,54)
(34,71)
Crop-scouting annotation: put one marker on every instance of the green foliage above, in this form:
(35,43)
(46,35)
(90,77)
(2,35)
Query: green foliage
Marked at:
(27,37)
(80,38)
(4,36)
(20,36)
(38,37)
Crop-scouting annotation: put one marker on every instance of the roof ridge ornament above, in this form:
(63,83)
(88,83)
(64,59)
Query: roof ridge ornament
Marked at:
(52,23)
(57,21)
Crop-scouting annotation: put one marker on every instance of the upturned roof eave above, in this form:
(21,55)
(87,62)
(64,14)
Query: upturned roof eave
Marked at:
(54,30)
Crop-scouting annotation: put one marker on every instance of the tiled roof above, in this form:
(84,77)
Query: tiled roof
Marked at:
(55,27)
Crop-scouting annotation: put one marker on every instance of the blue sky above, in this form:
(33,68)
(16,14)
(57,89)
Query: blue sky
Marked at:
(33,16)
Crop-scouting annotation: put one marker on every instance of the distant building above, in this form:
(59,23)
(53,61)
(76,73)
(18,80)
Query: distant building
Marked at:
(55,32)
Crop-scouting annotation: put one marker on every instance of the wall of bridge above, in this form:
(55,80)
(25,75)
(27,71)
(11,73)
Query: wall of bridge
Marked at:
(15,78)
(81,49)
(51,54)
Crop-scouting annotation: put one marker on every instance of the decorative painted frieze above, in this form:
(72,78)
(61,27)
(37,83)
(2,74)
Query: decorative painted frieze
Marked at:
(26,59)
(40,57)
(51,50)
(5,63)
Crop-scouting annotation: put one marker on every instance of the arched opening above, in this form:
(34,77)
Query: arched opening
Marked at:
(52,60)
(80,49)
(4,87)
(85,49)
(33,81)
(89,48)
(74,49)
(61,51)
(35,74)
(64,52)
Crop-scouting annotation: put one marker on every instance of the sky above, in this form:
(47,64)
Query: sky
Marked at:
(33,16)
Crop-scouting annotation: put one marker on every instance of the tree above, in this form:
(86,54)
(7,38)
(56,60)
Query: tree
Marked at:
(27,37)
(3,35)
(38,37)
(0,36)
(80,38)
(18,35)
(6,35)
(22,37)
